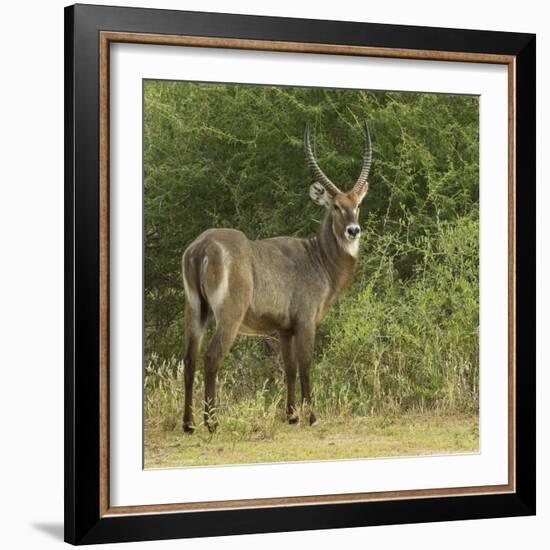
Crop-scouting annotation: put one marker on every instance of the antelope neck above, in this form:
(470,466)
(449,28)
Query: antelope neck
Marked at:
(337,261)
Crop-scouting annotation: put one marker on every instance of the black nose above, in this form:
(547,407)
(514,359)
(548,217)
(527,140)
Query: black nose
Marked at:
(353,230)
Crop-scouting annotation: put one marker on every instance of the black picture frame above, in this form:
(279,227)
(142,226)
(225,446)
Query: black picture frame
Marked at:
(84,524)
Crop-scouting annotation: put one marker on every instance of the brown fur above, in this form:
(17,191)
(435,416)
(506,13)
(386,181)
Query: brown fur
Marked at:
(281,285)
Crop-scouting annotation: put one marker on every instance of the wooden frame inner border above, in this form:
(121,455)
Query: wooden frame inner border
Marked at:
(105,39)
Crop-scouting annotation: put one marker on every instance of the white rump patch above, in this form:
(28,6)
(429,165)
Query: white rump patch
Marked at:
(217,297)
(193,299)
(203,268)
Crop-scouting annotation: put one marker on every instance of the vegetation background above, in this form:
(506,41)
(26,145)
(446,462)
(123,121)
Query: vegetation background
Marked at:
(404,337)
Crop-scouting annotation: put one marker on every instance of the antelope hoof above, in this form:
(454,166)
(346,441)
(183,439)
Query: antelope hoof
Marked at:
(292,419)
(312,419)
(211,422)
(212,427)
(188,427)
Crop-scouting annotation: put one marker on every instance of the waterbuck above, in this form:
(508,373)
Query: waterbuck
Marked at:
(281,285)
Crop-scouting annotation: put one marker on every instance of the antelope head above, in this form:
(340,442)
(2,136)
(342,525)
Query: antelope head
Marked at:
(342,207)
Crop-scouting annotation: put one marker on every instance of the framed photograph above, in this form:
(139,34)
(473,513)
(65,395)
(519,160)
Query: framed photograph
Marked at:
(300,274)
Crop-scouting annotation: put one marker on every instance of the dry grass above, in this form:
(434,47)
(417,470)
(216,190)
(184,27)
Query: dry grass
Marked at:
(271,440)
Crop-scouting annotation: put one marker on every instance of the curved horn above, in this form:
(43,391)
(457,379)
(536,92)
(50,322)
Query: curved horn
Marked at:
(314,167)
(361,185)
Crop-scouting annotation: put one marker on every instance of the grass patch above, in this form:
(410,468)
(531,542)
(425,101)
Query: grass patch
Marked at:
(272,440)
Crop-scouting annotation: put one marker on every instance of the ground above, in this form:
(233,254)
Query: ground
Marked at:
(340,438)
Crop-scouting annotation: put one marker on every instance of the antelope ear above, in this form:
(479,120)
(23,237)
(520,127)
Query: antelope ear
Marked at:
(358,196)
(319,195)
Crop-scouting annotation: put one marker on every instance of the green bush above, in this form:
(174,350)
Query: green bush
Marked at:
(404,336)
